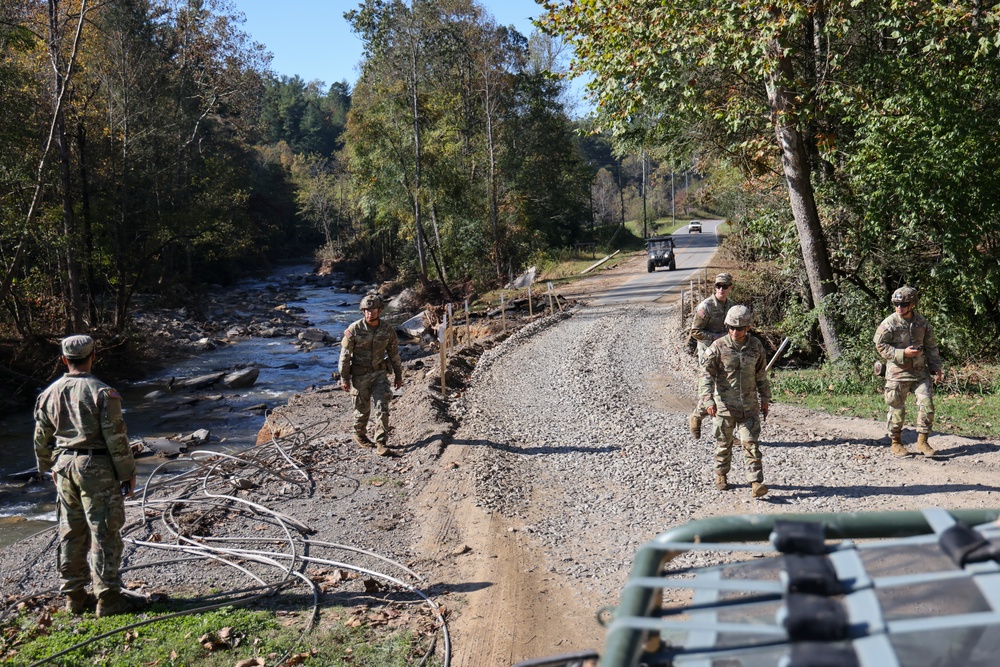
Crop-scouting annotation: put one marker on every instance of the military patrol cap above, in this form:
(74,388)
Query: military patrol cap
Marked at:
(904,296)
(372,301)
(738,316)
(723,279)
(77,347)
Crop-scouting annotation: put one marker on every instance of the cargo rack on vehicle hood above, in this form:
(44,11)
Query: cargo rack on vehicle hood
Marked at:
(925,592)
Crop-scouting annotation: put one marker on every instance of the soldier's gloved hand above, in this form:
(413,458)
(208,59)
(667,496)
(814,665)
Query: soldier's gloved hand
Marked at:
(54,480)
(764,409)
(399,383)
(345,385)
(939,376)
(711,409)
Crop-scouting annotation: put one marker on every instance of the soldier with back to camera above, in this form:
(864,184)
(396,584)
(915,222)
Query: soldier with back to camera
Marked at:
(368,349)
(708,326)
(736,392)
(905,340)
(81,439)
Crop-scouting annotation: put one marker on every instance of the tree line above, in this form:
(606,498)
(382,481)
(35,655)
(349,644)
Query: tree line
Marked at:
(147,148)
(864,136)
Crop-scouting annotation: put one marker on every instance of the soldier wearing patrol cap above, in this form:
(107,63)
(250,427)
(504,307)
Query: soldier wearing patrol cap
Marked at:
(367,350)
(707,327)
(736,392)
(906,341)
(80,438)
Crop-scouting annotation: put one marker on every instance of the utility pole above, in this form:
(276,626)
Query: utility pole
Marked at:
(644,234)
(673,212)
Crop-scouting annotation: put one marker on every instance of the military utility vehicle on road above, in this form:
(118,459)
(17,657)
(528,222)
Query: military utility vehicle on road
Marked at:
(660,252)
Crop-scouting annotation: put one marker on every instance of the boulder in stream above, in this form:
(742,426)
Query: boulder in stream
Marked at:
(195,383)
(242,378)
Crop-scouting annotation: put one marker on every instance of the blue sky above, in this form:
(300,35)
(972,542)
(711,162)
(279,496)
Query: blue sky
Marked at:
(310,38)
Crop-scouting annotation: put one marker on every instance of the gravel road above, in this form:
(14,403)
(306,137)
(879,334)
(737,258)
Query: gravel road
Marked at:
(591,456)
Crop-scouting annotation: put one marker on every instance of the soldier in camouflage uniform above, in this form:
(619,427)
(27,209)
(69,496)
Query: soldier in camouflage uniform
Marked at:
(80,438)
(906,341)
(709,325)
(736,392)
(368,348)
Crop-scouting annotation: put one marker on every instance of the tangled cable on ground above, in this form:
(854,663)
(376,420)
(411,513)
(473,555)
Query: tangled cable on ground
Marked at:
(203,514)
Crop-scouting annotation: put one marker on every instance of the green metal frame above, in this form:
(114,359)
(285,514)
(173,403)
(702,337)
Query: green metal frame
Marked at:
(625,640)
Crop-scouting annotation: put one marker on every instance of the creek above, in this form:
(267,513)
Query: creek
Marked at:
(233,416)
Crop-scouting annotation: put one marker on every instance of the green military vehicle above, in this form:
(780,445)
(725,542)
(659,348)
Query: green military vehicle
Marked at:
(660,252)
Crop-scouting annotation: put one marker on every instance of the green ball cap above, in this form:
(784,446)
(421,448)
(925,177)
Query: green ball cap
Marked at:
(77,347)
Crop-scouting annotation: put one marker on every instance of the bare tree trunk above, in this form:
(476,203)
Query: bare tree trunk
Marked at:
(621,192)
(800,195)
(414,78)
(15,265)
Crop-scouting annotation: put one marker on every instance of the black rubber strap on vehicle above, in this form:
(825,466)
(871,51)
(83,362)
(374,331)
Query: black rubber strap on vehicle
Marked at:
(813,575)
(965,545)
(799,537)
(816,654)
(815,618)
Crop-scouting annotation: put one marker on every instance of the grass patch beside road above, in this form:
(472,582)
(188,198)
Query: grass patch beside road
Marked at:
(962,407)
(221,638)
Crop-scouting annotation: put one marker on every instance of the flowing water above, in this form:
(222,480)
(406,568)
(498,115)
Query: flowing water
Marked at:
(26,508)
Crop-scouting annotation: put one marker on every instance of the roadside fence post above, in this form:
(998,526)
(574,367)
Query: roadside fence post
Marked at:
(442,344)
(450,319)
(503,313)
(551,308)
(531,309)
(468,331)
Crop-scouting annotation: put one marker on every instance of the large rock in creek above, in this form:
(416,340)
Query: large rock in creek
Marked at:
(195,383)
(241,379)
(414,327)
(316,336)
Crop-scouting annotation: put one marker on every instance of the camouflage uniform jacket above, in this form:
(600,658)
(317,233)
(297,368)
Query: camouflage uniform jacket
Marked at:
(365,349)
(734,377)
(894,335)
(709,322)
(78,411)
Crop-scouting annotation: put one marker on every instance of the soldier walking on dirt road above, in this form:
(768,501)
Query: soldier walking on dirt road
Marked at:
(707,327)
(735,390)
(81,439)
(906,341)
(368,348)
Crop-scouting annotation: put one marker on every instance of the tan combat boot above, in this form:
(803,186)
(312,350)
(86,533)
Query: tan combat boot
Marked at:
(897,448)
(758,490)
(694,422)
(120,602)
(923,447)
(362,440)
(79,601)
(720,482)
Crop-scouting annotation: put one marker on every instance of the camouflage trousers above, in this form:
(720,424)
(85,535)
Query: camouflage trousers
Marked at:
(365,388)
(700,411)
(747,430)
(895,397)
(91,516)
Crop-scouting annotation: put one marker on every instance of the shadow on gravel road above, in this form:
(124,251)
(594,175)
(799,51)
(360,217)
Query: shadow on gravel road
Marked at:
(824,443)
(797,492)
(967,450)
(944,454)
(468,587)
(532,451)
